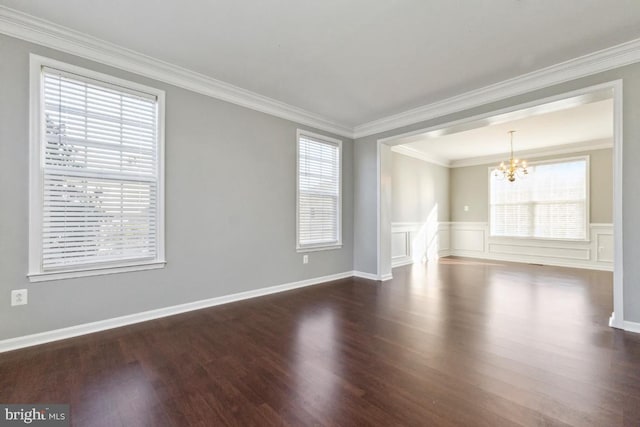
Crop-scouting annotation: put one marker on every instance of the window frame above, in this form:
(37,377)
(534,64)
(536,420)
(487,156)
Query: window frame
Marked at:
(320,246)
(36,174)
(587,218)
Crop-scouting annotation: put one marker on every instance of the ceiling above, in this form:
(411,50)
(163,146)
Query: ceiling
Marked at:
(357,61)
(591,122)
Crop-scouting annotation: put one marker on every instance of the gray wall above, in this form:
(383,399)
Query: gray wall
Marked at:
(365,206)
(417,187)
(470,186)
(365,175)
(239,236)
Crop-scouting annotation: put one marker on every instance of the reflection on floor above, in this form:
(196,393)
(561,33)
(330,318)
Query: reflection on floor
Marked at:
(457,342)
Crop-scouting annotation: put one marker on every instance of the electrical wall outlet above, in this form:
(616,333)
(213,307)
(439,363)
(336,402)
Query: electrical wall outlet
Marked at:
(19,297)
(466,208)
(305,259)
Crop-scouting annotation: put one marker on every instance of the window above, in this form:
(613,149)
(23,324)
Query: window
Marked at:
(96,187)
(551,202)
(319,192)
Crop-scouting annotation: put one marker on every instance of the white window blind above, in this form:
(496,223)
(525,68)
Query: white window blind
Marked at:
(100,173)
(319,194)
(551,202)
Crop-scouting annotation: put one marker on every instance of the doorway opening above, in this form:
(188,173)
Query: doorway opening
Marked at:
(550,132)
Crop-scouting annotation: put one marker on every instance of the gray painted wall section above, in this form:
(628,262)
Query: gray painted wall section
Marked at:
(417,187)
(365,207)
(365,152)
(230,208)
(470,187)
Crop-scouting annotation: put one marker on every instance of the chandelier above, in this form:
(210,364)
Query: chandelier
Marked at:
(514,168)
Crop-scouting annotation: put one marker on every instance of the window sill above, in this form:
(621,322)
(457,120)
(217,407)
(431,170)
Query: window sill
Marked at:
(98,271)
(318,248)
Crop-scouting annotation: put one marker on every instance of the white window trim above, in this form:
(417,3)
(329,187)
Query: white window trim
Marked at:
(587,233)
(317,247)
(36,128)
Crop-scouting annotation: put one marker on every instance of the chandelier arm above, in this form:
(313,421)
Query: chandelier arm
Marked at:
(514,168)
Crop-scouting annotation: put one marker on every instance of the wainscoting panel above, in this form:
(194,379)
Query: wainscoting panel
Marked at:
(602,235)
(444,239)
(468,237)
(472,239)
(548,251)
(416,242)
(604,244)
(400,249)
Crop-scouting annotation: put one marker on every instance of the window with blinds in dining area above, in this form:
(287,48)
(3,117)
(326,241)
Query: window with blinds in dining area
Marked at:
(100,173)
(319,192)
(551,202)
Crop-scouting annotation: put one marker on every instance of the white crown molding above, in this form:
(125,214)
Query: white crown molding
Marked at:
(596,62)
(578,147)
(411,152)
(35,30)
(32,29)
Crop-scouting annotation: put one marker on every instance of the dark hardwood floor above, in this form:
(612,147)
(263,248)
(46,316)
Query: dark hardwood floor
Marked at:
(460,342)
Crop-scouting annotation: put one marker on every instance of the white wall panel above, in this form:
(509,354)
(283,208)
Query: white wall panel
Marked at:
(472,239)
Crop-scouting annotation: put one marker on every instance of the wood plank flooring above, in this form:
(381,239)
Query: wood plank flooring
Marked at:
(459,342)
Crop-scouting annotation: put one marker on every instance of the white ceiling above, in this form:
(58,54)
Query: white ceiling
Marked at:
(591,122)
(352,61)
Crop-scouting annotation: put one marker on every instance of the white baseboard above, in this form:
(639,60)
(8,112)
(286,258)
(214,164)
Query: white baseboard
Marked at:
(363,275)
(631,326)
(370,276)
(613,322)
(400,262)
(625,325)
(530,260)
(116,322)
